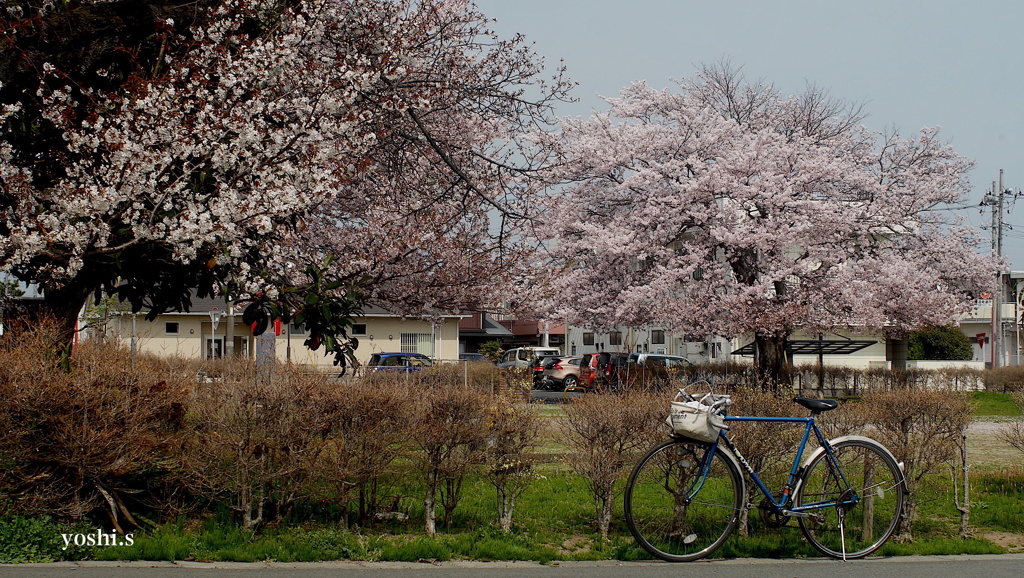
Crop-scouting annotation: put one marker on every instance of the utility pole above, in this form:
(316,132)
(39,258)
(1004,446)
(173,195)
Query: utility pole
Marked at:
(995,200)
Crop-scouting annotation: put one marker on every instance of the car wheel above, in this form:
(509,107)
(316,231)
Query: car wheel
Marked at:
(570,381)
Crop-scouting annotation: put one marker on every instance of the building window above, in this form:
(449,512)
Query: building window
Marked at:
(615,338)
(359,329)
(171,328)
(296,329)
(417,343)
(588,338)
(657,337)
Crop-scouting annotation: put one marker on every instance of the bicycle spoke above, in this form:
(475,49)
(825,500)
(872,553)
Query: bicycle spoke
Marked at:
(856,520)
(674,510)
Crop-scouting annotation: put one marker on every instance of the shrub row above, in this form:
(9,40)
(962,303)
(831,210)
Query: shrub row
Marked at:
(124,438)
(133,438)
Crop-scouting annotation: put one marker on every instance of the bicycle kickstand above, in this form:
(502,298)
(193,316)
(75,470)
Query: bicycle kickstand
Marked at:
(842,531)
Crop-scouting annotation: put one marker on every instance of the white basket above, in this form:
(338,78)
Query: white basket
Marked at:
(694,420)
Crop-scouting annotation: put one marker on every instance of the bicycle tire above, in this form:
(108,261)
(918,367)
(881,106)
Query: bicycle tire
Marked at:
(879,485)
(676,524)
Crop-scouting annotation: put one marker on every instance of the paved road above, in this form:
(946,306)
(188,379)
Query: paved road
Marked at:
(996,566)
(552,396)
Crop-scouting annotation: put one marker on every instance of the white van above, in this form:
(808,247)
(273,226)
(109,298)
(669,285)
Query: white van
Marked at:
(521,356)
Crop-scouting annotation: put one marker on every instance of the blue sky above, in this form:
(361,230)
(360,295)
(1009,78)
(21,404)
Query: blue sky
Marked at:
(912,63)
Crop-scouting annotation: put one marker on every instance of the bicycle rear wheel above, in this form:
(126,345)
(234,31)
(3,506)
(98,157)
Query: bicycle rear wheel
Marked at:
(853,522)
(674,511)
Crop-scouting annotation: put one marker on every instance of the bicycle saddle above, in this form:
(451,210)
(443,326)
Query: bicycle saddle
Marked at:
(817,405)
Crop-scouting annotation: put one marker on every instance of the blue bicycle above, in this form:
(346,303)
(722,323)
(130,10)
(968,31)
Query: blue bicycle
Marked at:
(685,496)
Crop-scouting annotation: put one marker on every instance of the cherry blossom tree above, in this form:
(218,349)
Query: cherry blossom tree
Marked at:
(726,208)
(232,145)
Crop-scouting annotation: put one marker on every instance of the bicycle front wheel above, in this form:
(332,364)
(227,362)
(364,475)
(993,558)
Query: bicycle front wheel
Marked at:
(855,518)
(683,500)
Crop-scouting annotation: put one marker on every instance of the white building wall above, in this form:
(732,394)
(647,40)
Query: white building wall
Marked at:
(195,331)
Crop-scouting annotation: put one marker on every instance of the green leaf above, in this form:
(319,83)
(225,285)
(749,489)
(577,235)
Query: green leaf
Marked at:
(251,313)
(261,325)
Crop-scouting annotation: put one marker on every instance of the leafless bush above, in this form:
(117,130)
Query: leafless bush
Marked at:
(480,376)
(847,419)
(1013,432)
(517,382)
(508,458)
(1008,379)
(253,441)
(368,427)
(768,447)
(86,435)
(922,428)
(605,434)
(449,430)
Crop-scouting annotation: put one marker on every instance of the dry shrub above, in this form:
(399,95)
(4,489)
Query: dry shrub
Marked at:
(922,428)
(509,454)
(481,376)
(847,419)
(367,430)
(768,447)
(254,441)
(1013,432)
(604,435)
(517,381)
(86,434)
(1007,379)
(448,428)
(647,377)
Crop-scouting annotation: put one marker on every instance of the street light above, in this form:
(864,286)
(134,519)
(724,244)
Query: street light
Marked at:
(215,316)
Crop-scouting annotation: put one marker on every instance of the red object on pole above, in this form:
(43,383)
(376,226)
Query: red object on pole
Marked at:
(277,327)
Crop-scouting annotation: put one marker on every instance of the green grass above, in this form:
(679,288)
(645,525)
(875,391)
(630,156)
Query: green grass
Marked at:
(554,521)
(999,504)
(38,539)
(992,404)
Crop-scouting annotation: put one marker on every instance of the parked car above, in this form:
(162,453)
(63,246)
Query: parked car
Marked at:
(561,372)
(653,369)
(588,369)
(523,356)
(659,360)
(398,362)
(608,366)
(472,357)
(538,364)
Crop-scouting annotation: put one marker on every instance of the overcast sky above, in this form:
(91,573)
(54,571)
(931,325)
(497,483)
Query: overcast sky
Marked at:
(954,64)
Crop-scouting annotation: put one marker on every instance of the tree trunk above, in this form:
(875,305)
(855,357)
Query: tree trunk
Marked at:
(506,505)
(605,506)
(430,502)
(770,357)
(905,532)
(62,306)
(897,352)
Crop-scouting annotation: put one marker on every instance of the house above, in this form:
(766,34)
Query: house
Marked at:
(580,340)
(979,327)
(213,328)
(841,348)
(477,328)
(533,333)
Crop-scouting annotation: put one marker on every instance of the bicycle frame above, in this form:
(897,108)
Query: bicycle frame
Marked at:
(783,505)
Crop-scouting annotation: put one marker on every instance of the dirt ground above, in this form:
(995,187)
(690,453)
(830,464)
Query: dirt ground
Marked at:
(986,450)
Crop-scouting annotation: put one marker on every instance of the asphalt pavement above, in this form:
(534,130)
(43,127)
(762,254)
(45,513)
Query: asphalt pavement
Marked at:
(988,566)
